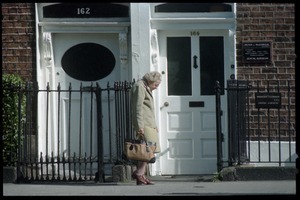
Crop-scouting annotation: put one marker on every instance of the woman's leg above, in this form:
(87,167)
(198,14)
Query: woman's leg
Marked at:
(148,181)
(141,168)
(138,174)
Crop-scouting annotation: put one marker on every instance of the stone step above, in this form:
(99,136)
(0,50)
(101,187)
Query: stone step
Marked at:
(252,173)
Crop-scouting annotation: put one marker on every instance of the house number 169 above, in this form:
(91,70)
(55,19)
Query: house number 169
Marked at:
(83,11)
(195,33)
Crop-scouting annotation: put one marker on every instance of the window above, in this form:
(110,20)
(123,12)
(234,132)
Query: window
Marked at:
(212,64)
(88,62)
(192,10)
(179,66)
(193,7)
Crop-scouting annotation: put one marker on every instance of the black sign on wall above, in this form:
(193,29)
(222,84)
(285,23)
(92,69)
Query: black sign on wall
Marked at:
(257,52)
(267,100)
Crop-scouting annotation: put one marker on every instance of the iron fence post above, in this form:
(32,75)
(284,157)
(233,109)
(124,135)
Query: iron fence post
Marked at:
(19,135)
(218,126)
(99,177)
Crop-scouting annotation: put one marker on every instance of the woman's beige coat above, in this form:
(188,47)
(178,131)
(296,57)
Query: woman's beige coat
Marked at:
(142,105)
(143,115)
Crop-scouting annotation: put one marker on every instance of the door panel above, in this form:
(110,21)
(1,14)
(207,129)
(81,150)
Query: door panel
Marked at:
(190,66)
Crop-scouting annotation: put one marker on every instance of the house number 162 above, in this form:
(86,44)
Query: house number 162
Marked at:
(83,11)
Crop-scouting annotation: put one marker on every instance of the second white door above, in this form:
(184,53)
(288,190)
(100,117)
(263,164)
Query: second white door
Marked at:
(191,63)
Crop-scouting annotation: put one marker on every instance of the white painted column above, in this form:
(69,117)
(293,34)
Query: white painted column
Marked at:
(140,38)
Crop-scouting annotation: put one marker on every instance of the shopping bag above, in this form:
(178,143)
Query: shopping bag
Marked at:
(139,150)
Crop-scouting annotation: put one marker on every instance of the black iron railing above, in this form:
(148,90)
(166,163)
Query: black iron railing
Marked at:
(261,123)
(51,149)
(78,134)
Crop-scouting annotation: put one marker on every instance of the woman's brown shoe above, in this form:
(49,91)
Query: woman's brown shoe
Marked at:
(133,175)
(140,180)
(148,181)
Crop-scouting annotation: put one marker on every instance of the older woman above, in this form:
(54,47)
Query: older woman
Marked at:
(143,115)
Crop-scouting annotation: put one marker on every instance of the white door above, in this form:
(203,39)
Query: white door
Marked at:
(191,62)
(82,60)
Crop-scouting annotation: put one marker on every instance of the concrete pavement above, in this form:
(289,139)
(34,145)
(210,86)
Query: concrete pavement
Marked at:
(165,187)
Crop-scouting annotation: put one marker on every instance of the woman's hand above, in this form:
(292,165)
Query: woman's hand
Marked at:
(141,131)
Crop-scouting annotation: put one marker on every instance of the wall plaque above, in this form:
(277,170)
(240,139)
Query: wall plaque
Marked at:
(257,52)
(267,100)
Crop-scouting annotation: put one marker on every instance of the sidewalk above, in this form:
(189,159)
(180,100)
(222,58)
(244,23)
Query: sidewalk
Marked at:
(162,187)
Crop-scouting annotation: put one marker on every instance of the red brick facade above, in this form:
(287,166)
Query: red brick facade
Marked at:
(273,22)
(19,40)
(267,22)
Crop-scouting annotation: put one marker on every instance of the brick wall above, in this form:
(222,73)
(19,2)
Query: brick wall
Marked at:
(267,22)
(18,40)
(273,22)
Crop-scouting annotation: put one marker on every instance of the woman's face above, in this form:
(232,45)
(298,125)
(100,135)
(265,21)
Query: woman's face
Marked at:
(154,85)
